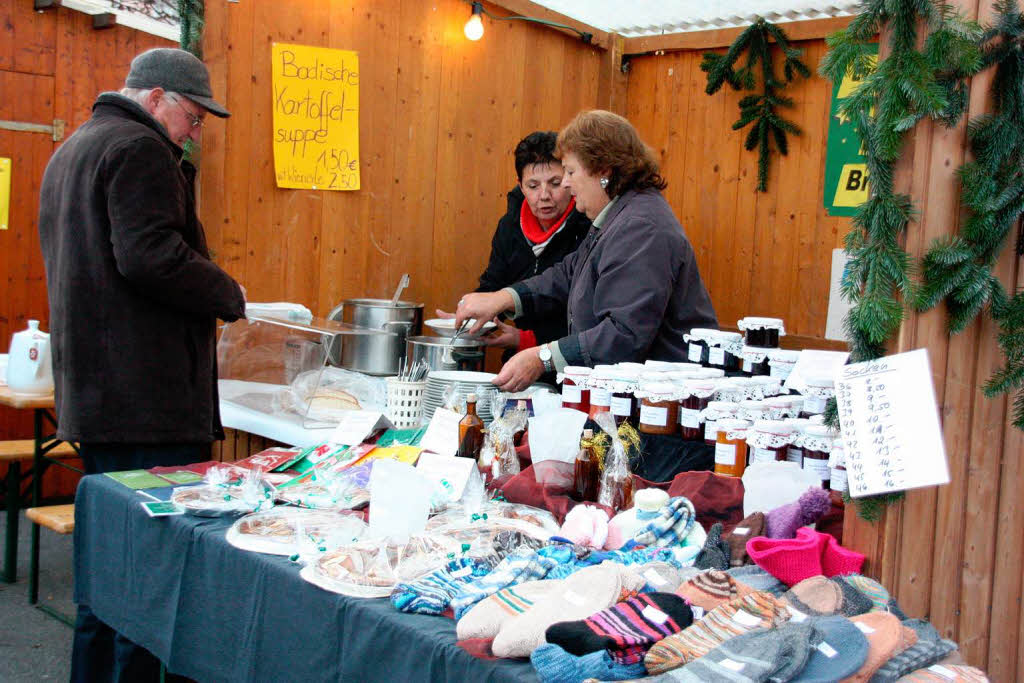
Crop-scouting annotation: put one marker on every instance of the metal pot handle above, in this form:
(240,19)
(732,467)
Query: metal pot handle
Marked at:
(336,311)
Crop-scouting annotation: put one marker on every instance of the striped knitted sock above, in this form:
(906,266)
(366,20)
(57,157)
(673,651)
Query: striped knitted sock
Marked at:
(433,593)
(761,655)
(521,566)
(638,622)
(738,616)
(929,649)
(555,665)
(484,620)
(712,588)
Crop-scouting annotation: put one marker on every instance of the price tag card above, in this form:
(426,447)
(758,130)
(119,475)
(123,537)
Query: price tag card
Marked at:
(358,425)
(447,472)
(890,422)
(813,363)
(161,509)
(442,436)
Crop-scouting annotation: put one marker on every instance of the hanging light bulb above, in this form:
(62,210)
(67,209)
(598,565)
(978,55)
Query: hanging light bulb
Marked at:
(474,28)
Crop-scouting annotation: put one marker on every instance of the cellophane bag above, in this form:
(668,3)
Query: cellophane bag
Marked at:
(280,530)
(326,489)
(616,487)
(219,496)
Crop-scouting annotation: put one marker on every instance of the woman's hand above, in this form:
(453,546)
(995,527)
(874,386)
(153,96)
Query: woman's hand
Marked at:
(506,336)
(521,370)
(482,306)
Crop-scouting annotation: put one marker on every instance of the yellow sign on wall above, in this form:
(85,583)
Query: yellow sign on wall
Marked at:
(316,117)
(5,192)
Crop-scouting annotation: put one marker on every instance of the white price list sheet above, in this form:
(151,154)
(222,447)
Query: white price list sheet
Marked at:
(890,425)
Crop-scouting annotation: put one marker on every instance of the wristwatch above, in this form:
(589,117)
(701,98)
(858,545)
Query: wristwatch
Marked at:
(545,357)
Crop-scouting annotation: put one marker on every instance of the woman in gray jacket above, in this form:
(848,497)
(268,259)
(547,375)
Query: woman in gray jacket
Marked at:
(632,289)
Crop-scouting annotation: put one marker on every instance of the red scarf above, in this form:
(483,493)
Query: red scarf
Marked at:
(532,228)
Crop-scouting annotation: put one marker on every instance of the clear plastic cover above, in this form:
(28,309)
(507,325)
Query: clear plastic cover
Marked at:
(459,515)
(218,496)
(277,531)
(328,490)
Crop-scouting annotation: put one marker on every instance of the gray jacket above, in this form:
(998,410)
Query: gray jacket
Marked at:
(631,290)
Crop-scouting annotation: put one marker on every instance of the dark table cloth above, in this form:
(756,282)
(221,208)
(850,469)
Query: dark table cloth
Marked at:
(213,612)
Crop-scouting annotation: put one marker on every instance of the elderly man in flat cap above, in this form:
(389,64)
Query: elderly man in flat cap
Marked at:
(134,297)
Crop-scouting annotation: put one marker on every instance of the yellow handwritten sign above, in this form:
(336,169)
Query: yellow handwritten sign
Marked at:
(316,117)
(5,192)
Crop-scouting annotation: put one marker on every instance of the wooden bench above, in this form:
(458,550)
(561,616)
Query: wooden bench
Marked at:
(14,453)
(58,518)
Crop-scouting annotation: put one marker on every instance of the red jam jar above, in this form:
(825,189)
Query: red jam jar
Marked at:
(698,394)
(819,390)
(817,442)
(764,332)
(659,408)
(575,389)
(600,394)
(754,361)
(768,441)
(838,480)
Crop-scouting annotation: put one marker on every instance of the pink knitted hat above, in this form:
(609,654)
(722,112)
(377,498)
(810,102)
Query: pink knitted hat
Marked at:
(790,560)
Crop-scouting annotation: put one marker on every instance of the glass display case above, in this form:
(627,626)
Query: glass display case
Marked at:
(280,368)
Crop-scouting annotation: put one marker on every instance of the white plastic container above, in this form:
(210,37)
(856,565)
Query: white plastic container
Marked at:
(29,369)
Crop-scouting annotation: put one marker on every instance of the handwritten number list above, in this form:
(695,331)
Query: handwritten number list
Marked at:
(890,425)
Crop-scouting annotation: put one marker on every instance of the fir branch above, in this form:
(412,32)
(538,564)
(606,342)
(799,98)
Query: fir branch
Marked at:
(761,112)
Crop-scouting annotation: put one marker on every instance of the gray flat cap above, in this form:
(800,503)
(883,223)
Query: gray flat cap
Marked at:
(178,71)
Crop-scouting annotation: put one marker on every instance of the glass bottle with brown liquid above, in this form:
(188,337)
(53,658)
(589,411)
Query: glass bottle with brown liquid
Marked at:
(471,431)
(586,475)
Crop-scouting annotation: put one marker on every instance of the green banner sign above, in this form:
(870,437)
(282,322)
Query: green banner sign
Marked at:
(846,174)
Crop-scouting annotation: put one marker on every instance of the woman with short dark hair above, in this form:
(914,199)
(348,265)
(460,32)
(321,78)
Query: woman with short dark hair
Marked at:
(632,289)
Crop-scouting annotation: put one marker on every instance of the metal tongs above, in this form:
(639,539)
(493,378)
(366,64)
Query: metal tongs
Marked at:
(447,357)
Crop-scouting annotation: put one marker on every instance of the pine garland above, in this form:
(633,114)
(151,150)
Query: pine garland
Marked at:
(192,13)
(958,270)
(907,86)
(760,110)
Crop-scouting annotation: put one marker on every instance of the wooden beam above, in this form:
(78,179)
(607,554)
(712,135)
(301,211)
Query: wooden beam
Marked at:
(810,29)
(601,39)
(612,85)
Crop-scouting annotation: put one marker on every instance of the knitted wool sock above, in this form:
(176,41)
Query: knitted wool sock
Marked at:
(761,655)
(638,622)
(670,527)
(751,526)
(485,618)
(929,649)
(624,557)
(783,521)
(741,615)
(521,566)
(876,592)
(715,553)
(587,591)
(433,593)
(837,560)
(821,597)
(662,577)
(885,638)
(712,588)
(789,560)
(841,651)
(555,665)
(938,673)
(753,576)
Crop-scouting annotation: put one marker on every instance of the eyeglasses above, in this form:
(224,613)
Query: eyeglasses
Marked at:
(196,121)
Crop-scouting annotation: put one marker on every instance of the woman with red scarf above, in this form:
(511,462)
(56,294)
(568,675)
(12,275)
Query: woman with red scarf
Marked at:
(540,228)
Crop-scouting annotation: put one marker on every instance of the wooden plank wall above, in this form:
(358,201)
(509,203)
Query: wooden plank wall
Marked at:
(760,253)
(440,118)
(52,66)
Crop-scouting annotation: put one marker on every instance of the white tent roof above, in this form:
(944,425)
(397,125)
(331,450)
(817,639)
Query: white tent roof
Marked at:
(654,17)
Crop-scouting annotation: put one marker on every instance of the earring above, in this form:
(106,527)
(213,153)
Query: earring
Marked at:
(604,183)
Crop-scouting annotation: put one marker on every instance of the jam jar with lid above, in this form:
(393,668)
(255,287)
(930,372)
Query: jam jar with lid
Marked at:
(764,332)
(724,350)
(779,407)
(838,481)
(697,344)
(600,395)
(697,395)
(715,411)
(659,408)
(660,366)
(754,361)
(752,410)
(764,386)
(781,363)
(768,441)
(818,391)
(731,389)
(710,373)
(795,450)
(623,402)
(575,388)
(817,442)
(731,447)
